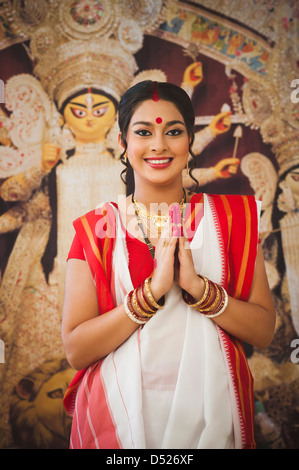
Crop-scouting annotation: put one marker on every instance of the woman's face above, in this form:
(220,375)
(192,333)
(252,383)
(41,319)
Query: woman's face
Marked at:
(89,116)
(157,143)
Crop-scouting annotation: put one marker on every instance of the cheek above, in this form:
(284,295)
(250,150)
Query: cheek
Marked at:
(182,147)
(135,147)
(74,122)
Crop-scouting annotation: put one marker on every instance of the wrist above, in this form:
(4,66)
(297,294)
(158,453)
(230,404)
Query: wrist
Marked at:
(155,299)
(156,290)
(196,288)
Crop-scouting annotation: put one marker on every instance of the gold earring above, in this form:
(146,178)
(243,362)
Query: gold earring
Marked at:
(187,167)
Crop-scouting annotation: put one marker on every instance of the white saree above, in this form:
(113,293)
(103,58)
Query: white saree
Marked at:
(167,386)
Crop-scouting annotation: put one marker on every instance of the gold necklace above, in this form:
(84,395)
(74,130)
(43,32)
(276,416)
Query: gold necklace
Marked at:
(158,220)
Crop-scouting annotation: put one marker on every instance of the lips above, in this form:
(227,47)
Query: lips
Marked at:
(159,162)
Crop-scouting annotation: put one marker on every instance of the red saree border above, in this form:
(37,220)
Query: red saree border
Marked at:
(237,222)
(237,216)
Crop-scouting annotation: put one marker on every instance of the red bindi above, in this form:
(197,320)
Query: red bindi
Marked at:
(158,120)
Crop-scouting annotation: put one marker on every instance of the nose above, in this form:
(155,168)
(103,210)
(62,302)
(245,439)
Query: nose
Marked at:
(158,143)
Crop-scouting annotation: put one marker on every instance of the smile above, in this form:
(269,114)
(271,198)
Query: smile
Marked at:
(159,162)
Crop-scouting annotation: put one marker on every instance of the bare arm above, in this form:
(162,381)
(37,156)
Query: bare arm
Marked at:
(88,336)
(252,321)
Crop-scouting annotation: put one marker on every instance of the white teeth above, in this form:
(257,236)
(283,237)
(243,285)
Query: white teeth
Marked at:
(157,162)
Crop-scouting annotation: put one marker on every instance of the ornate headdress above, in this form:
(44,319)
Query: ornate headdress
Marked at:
(85,43)
(100,64)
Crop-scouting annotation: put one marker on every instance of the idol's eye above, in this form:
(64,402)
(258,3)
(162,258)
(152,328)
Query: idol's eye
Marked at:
(78,112)
(57,393)
(143,132)
(100,111)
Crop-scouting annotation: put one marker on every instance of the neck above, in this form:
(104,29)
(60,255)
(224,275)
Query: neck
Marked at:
(159,195)
(84,140)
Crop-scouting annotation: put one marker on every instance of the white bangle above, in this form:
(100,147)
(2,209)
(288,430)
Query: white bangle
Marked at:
(214,315)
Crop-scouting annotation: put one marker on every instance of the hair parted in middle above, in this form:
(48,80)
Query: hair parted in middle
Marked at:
(148,90)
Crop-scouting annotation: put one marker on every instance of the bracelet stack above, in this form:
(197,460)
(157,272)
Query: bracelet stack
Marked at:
(140,305)
(213,301)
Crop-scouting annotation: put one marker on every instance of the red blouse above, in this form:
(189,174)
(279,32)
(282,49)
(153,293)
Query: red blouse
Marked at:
(141,264)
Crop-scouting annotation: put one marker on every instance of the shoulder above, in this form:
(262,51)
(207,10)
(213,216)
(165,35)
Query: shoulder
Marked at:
(97,222)
(233,202)
(99,212)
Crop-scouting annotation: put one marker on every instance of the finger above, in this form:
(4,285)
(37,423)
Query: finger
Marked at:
(226,121)
(175,220)
(166,231)
(224,114)
(232,169)
(184,246)
(229,161)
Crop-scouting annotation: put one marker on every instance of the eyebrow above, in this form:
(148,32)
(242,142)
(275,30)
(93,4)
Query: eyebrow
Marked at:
(148,123)
(84,105)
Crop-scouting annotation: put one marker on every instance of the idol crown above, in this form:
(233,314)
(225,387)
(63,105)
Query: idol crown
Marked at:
(85,43)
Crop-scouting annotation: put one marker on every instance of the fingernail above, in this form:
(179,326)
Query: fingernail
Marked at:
(178,231)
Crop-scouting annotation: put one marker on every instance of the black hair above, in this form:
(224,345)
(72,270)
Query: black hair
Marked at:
(146,90)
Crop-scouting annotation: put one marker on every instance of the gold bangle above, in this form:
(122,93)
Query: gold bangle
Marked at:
(223,305)
(215,303)
(149,295)
(137,308)
(129,311)
(145,301)
(189,299)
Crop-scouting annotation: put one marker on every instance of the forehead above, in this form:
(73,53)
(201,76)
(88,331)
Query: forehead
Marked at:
(86,97)
(149,110)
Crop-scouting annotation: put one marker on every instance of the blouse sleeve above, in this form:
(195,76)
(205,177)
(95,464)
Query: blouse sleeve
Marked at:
(76,250)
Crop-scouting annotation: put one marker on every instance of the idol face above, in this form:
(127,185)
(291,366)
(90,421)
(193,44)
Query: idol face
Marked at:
(89,116)
(293,181)
(157,142)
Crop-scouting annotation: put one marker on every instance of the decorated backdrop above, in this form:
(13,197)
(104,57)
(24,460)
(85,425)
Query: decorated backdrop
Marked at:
(63,67)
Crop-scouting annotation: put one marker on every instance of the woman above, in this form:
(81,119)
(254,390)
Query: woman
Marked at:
(153,328)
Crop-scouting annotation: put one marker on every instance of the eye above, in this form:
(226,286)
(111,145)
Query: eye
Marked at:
(57,393)
(100,111)
(174,132)
(79,113)
(143,132)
